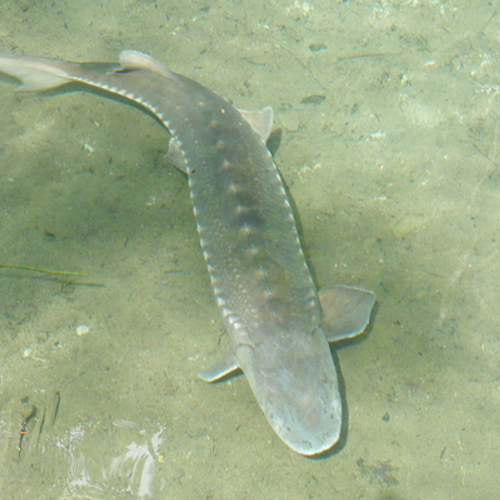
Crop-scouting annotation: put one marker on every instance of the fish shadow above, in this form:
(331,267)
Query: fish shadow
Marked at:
(335,348)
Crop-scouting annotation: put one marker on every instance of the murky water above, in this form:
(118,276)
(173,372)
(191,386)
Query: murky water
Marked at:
(390,146)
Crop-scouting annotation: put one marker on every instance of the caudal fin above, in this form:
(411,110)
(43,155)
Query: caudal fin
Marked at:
(35,73)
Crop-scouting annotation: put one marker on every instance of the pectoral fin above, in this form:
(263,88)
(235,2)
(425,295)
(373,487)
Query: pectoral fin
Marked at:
(261,121)
(345,311)
(220,369)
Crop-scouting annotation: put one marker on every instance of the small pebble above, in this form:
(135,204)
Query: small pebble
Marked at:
(82,330)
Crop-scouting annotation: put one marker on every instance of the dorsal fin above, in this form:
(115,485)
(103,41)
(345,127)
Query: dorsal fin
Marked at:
(261,121)
(131,60)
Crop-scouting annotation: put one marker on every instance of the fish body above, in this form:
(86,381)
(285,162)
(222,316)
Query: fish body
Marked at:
(278,323)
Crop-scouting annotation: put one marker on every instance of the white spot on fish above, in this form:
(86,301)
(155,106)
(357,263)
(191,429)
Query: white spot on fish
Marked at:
(225,311)
(232,188)
(214,281)
(253,252)
(261,274)
(247,230)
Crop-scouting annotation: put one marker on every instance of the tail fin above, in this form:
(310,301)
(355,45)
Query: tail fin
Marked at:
(35,73)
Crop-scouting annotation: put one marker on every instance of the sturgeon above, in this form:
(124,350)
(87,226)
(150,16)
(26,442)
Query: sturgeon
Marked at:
(279,324)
